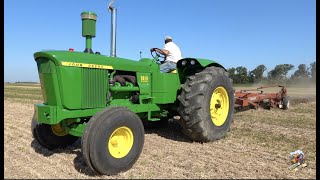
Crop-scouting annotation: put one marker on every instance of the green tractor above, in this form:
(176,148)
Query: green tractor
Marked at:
(105,100)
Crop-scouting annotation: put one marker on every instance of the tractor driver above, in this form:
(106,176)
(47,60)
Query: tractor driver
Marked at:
(172,55)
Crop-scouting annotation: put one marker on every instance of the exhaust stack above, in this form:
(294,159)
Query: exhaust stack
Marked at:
(113,43)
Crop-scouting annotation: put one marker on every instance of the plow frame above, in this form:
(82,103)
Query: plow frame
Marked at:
(255,97)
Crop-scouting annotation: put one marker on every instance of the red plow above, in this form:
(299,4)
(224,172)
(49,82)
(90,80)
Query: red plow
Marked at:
(255,98)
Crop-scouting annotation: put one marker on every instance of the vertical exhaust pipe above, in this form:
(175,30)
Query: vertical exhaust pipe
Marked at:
(113,43)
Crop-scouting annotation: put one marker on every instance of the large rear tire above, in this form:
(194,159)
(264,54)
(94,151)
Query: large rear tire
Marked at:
(113,141)
(51,136)
(206,105)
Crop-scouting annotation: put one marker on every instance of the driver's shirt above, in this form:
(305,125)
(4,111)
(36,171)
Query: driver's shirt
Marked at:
(175,53)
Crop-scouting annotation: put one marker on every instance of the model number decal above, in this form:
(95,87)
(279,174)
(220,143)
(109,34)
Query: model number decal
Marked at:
(84,65)
(144,78)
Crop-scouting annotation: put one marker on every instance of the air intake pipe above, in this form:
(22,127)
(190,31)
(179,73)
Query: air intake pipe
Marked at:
(88,29)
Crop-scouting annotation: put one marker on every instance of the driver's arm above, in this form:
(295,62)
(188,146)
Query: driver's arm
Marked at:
(163,51)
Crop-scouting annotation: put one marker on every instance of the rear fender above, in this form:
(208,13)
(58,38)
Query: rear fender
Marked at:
(198,62)
(189,66)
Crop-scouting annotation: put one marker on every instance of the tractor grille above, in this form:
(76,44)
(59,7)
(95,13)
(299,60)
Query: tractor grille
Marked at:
(93,87)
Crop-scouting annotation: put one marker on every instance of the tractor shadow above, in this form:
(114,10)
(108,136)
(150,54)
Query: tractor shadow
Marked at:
(170,130)
(79,163)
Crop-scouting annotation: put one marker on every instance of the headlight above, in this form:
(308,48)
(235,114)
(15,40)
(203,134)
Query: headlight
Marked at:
(184,63)
(193,62)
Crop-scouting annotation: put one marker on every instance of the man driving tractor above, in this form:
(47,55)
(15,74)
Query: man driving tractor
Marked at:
(172,55)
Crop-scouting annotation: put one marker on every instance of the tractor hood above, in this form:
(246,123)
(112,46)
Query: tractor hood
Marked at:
(80,59)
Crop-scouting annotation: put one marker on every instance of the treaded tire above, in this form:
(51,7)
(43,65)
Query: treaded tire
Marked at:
(44,135)
(194,107)
(286,102)
(97,136)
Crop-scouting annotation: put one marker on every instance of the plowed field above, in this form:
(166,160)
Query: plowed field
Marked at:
(257,146)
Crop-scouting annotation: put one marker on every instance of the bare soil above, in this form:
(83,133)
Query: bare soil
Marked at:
(257,146)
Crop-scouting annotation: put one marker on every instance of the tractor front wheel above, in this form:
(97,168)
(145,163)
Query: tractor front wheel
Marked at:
(206,105)
(51,136)
(113,141)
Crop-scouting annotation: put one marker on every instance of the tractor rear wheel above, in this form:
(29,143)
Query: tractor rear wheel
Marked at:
(206,105)
(113,141)
(51,136)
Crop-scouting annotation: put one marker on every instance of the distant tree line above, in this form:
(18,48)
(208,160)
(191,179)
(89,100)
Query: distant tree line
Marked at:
(303,74)
(26,82)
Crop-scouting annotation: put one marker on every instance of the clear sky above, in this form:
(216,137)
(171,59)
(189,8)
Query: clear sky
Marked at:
(233,32)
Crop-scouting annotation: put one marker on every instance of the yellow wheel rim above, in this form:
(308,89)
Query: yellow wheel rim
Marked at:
(58,130)
(120,142)
(219,106)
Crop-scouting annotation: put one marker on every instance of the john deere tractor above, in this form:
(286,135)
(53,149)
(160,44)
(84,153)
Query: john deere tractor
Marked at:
(104,100)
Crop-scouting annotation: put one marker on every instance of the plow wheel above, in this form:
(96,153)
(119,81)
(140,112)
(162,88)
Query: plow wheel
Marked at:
(112,141)
(206,105)
(51,136)
(286,102)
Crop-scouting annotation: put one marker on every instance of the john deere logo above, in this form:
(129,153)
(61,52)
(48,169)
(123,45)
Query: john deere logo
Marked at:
(83,65)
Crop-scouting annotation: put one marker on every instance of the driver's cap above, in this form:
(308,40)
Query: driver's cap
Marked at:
(168,37)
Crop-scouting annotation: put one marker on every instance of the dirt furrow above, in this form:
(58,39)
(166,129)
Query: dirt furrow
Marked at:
(308,134)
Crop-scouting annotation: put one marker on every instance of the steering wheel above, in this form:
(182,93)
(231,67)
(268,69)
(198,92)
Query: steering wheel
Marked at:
(156,55)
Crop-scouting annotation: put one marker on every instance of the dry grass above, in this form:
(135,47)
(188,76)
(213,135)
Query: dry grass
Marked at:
(257,146)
